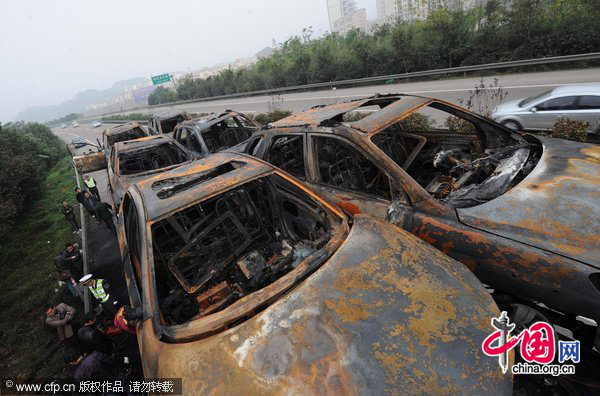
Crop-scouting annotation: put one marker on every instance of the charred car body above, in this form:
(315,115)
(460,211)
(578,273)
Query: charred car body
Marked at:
(121,133)
(252,283)
(95,161)
(205,136)
(133,160)
(521,211)
(165,123)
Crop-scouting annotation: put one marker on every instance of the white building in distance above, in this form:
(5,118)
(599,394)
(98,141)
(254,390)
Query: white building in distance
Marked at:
(408,10)
(344,15)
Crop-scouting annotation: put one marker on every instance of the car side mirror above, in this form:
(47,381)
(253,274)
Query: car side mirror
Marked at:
(533,109)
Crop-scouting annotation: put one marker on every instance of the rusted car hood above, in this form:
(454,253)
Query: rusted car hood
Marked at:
(556,207)
(371,320)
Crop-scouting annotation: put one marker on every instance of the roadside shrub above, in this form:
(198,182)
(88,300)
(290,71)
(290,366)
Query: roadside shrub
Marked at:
(566,128)
(271,116)
(127,117)
(416,122)
(162,95)
(27,152)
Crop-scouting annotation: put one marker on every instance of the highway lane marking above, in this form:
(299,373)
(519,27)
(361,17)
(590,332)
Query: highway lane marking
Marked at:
(200,104)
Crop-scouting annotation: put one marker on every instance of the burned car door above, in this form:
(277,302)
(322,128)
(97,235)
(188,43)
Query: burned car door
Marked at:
(129,241)
(189,138)
(349,178)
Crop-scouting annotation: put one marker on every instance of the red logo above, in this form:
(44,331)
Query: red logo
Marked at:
(537,342)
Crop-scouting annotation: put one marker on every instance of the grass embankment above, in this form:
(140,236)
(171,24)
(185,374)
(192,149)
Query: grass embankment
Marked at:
(29,348)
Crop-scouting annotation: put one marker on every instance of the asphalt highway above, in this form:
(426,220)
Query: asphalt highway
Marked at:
(452,90)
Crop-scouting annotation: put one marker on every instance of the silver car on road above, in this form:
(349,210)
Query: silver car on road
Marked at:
(578,102)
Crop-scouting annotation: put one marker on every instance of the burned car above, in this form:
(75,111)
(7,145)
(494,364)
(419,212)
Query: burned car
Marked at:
(521,211)
(94,161)
(251,283)
(204,136)
(165,122)
(121,133)
(133,160)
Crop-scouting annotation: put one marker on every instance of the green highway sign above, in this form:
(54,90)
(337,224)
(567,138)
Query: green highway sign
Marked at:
(161,78)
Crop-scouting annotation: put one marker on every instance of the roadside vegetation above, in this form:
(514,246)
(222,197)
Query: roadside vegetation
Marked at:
(127,117)
(496,32)
(27,152)
(28,348)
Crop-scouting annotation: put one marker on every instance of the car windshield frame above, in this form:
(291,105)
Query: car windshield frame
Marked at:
(245,307)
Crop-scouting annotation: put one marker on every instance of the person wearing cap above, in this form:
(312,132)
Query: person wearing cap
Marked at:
(90,183)
(98,289)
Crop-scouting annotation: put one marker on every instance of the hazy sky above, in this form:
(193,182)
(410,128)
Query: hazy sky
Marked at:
(50,50)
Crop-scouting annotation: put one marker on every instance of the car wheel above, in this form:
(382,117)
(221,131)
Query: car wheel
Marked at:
(512,124)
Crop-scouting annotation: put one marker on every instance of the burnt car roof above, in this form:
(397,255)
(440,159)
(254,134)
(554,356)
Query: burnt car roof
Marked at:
(209,120)
(122,128)
(147,141)
(165,115)
(391,107)
(232,168)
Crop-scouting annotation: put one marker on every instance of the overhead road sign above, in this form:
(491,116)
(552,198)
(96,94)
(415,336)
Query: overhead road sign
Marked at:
(161,78)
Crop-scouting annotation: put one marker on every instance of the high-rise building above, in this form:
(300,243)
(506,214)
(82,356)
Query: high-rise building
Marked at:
(386,9)
(345,15)
(408,10)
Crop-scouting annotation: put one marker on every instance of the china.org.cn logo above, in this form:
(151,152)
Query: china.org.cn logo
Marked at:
(537,348)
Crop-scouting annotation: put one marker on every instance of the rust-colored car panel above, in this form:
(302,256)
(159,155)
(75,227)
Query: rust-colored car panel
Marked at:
(530,228)
(375,310)
(555,207)
(134,160)
(121,133)
(90,162)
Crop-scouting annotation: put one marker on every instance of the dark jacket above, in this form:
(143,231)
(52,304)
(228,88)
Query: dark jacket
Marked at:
(90,203)
(91,339)
(103,211)
(80,197)
(64,271)
(74,262)
(67,211)
(96,365)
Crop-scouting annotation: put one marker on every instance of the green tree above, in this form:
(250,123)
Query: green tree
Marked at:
(162,95)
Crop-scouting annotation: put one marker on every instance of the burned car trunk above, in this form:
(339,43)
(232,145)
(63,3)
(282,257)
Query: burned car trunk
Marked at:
(240,269)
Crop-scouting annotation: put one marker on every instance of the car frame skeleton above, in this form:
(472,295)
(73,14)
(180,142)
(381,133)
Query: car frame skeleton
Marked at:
(521,211)
(165,122)
(218,132)
(289,295)
(133,160)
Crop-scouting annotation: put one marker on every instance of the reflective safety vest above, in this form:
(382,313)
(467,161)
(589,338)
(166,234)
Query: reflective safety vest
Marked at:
(90,182)
(98,291)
